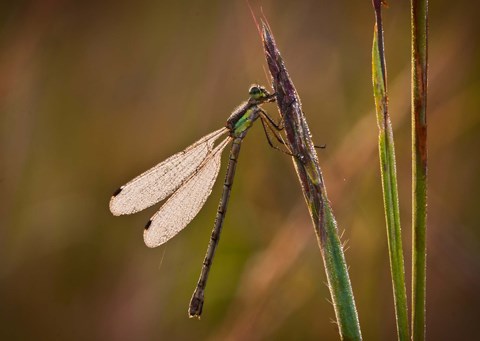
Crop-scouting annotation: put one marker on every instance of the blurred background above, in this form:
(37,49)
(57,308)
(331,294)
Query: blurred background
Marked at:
(94,93)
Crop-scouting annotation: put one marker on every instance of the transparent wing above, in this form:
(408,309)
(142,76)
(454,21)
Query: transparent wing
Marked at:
(163,179)
(186,202)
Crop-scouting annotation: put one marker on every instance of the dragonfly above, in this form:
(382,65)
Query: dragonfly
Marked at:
(187,179)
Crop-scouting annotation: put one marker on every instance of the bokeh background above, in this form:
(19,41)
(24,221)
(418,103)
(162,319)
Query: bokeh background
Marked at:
(93,93)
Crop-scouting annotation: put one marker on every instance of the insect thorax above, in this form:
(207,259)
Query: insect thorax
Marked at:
(242,119)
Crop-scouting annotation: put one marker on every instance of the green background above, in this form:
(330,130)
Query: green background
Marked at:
(92,94)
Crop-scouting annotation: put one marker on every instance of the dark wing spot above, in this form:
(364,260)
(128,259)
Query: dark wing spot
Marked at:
(117,192)
(148,224)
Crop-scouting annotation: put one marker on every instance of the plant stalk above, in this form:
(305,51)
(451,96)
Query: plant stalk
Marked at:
(419,22)
(305,161)
(386,149)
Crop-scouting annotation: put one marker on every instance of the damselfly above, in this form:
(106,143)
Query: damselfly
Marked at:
(188,177)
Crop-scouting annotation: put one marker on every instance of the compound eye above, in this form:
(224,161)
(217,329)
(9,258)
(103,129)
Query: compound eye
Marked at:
(254,91)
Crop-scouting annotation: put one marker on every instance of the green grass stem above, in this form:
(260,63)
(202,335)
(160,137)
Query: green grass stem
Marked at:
(388,171)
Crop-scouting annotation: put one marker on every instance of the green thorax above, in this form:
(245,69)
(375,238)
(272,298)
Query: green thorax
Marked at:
(241,121)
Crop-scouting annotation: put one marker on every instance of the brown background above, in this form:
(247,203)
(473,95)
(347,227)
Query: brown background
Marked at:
(93,94)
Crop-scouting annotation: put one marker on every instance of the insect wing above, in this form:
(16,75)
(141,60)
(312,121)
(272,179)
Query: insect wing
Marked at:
(163,179)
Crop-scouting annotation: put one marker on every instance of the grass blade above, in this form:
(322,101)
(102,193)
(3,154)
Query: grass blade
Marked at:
(388,171)
(419,22)
(305,160)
